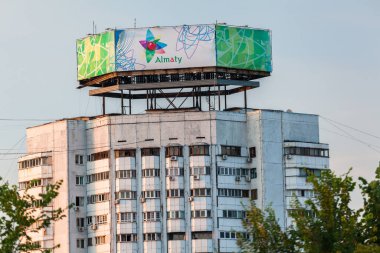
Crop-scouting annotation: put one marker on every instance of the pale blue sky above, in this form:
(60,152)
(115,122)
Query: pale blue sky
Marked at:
(326,57)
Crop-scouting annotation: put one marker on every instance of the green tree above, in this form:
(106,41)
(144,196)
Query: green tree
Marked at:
(370,222)
(326,223)
(21,214)
(265,234)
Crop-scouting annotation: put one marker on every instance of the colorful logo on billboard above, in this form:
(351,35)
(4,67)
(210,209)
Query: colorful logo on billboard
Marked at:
(152,46)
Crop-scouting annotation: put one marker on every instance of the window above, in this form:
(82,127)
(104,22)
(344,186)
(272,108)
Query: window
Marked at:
(304,151)
(253,173)
(305,172)
(201,235)
(89,242)
(174,171)
(200,170)
(300,193)
(96,198)
(34,183)
(176,236)
(126,174)
(35,162)
(151,194)
(89,220)
(150,152)
(126,195)
(252,152)
(231,150)
(126,238)
(174,193)
(98,177)
(80,222)
(98,156)
(228,171)
(125,153)
(254,194)
(199,150)
(233,235)
(233,214)
(152,237)
(201,214)
(100,240)
(126,217)
(150,172)
(79,180)
(80,243)
(173,151)
(200,192)
(176,215)
(101,219)
(152,216)
(79,159)
(79,201)
(237,193)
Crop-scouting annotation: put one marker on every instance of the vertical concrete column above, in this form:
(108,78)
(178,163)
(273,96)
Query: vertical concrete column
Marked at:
(112,183)
(140,239)
(186,182)
(214,196)
(164,239)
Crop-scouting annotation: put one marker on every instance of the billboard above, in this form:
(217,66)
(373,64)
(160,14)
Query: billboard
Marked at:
(174,47)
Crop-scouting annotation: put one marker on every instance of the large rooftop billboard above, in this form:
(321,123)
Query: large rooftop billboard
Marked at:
(175,47)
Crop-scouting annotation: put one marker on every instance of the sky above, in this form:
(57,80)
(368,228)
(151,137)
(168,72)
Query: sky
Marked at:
(326,61)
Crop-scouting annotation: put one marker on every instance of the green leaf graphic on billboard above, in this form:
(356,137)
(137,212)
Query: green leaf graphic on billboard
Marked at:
(243,48)
(96,55)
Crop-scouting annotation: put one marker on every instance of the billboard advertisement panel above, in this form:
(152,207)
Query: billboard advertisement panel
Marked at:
(165,47)
(174,47)
(243,48)
(96,55)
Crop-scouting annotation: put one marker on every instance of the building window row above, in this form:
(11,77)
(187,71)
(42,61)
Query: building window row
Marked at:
(40,161)
(126,195)
(150,194)
(304,151)
(174,193)
(152,216)
(126,238)
(199,150)
(234,214)
(176,214)
(201,235)
(175,171)
(125,153)
(228,171)
(79,180)
(98,219)
(97,177)
(98,240)
(152,237)
(233,235)
(200,192)
(237,193)
(150,172)
(126,217)
(176,236)
(305,172)
(80,243)
(231,150)
(96,198)
(150,152)
(126,174)
(98,156)
(300,193)
(34,183)
(173,151)
(79,159)
(200,170)
(201,214)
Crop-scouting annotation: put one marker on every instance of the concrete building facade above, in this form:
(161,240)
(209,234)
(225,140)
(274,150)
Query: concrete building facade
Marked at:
(169,181)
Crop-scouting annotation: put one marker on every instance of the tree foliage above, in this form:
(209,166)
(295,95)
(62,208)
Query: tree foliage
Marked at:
(322,224)
(23,214)
(326,223)
(265,235)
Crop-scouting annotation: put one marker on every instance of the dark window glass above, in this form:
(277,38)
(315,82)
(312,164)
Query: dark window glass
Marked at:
(199,150)
(173,151)
(150,152)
